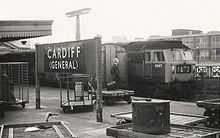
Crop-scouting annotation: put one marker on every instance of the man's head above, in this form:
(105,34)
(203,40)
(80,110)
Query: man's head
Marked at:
(116,61)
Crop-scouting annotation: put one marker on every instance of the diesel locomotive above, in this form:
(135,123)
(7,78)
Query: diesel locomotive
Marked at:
(157,68)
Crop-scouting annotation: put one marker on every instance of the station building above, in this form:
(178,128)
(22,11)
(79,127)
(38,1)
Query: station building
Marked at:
(205,46)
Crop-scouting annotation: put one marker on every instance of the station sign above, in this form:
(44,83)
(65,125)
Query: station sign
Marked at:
(69,57)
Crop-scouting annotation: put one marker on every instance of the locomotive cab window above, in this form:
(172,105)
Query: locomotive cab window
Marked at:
(159,56)
(147,56)
(187,55)
(177,55)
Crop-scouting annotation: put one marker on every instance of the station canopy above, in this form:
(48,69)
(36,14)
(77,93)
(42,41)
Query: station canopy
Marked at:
(10,31)
(23,29)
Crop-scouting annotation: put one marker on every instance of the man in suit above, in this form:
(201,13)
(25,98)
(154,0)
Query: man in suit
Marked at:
(115,73)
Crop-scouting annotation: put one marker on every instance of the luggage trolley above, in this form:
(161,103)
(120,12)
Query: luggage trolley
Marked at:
(212,110)
(14,88)
(74,93)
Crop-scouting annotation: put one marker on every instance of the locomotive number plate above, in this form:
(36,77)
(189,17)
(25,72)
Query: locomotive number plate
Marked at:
(158,65)
(183,69)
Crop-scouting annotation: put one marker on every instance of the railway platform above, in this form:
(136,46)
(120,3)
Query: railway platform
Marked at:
(83,124)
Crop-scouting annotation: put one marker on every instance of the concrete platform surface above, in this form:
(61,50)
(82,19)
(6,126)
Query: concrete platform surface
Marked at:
(83,124)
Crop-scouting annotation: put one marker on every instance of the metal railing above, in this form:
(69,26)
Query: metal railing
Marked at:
(207,71)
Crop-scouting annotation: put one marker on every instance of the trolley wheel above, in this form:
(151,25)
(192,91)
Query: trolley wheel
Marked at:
(2,114)
(23,105)
(128,99)
(109,101)
(122,122)
(213,120)
(66,109)
(129,102)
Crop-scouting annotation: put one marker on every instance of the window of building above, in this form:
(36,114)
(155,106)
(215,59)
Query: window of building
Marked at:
(217,38)
(215,41)
(203,42)
(218,51)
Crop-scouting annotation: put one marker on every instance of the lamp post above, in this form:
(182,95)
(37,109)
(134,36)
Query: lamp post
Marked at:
(198,54)
(77,13)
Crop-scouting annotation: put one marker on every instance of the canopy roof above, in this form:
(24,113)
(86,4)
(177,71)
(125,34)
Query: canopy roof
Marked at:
(23,29)
(12,47)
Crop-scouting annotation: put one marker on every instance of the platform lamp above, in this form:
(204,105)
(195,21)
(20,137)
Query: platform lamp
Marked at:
(77,13)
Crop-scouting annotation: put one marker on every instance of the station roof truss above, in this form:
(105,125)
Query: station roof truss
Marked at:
(9,47)
(11,30)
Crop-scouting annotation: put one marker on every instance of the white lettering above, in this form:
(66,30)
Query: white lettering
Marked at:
(66,64)
(77,51)
(70,65)
(63,67)
(54,54)
(72,52)
(48,53)
(59,53)
(64,52)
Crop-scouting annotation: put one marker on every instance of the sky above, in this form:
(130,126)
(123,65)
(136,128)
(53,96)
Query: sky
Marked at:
(127,18)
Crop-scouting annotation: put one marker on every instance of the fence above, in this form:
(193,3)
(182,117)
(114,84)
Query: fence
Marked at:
(207,71)
(14,88)
(207,79)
